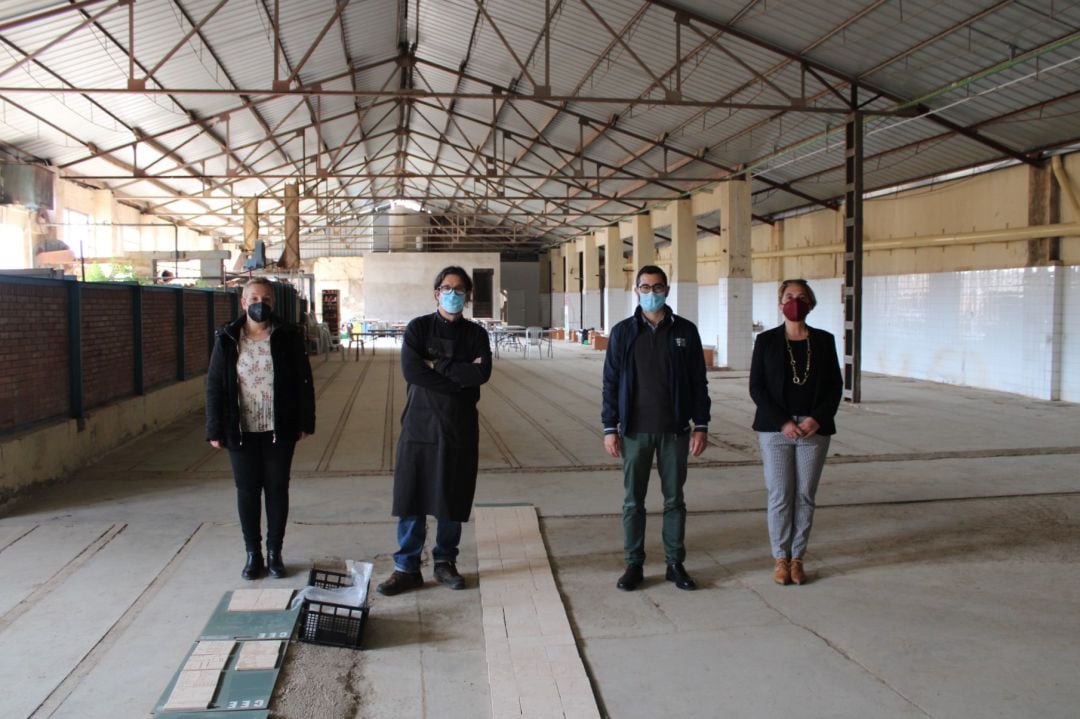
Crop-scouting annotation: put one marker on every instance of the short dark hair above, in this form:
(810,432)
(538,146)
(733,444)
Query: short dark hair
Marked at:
(801,283)
(650,270)
(454,270)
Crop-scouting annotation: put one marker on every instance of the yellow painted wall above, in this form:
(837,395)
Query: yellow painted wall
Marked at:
(995,200)
(811,230)
(991,201)
(709,263)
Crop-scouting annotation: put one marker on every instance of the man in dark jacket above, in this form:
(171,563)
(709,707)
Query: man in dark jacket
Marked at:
(445,358)
(656,403)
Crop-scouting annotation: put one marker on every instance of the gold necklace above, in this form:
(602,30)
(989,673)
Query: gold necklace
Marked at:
(791,357)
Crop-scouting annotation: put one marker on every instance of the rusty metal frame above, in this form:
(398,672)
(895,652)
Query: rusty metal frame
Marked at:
(497,172)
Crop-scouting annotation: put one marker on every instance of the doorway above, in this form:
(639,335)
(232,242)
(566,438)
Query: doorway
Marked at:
(483,281)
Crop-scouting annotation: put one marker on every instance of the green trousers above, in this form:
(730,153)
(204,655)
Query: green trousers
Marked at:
(671,452)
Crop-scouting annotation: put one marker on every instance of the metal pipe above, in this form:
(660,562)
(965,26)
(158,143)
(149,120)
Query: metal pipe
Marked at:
(413,94)
(906,243)
(1066,187)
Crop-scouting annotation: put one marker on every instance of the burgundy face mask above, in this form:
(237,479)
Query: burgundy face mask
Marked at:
(796,310)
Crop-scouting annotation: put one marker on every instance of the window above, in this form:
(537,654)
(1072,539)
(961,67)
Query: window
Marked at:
(13,249)
(84,238)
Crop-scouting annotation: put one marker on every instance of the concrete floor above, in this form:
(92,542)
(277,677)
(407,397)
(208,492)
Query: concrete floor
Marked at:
(943,561)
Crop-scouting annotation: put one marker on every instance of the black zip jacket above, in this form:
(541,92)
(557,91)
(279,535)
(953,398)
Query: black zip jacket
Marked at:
(294,390)
(689,385)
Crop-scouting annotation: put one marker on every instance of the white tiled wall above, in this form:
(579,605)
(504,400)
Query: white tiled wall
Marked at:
(591,301)
(708,320)
(734,309)
(572,318)
(828,315)
(684,300)
(558,315)
(615,304)
(545,309)
(987,328)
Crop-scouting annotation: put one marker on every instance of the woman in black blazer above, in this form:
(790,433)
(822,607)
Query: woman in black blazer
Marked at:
(795,382)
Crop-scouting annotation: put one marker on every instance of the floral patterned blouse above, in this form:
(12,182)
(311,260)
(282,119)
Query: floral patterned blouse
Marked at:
(255,371)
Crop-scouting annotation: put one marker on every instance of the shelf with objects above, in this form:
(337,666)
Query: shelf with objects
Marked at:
(331,315)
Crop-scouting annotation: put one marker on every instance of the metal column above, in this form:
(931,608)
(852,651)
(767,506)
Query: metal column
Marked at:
(853,252)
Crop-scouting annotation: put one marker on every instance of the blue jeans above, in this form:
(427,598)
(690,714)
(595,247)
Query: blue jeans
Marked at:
(411,534)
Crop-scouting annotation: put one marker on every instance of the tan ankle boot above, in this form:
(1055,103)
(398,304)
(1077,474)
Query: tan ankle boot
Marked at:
(798,576)
(781,574)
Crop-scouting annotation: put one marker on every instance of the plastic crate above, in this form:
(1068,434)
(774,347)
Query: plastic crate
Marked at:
(336,625)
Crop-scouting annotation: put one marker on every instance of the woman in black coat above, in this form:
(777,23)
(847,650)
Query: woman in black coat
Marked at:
(795,382)
(260,400)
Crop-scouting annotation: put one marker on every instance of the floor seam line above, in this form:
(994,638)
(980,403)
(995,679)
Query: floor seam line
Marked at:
(832,646)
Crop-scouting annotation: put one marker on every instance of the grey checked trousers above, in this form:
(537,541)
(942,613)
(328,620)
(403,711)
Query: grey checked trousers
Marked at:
(792,471)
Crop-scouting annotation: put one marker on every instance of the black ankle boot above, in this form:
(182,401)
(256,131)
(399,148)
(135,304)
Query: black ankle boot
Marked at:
(274,563)
(254,567)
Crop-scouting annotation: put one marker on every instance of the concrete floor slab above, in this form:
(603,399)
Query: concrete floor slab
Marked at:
(941,561)
(763,672)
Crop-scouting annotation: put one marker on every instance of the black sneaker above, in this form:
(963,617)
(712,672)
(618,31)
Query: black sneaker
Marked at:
(399,582)
(447,573)
(631,578)
(676,573)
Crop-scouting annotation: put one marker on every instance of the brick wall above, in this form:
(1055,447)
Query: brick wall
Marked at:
(222,310)
(35,357)
(196,358)
(108,350)
(34,374)
(159,336)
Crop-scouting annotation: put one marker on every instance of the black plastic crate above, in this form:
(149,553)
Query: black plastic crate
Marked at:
(336,625)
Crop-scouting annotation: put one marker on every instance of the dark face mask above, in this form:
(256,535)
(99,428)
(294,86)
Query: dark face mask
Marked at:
(796,310)
(259,311)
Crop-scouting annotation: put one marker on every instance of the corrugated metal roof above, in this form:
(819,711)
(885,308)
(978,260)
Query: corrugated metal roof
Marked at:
(1008,71)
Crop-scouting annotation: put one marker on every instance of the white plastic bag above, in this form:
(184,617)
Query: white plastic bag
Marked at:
(353,596)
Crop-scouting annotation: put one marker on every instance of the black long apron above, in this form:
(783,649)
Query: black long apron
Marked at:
(438,450)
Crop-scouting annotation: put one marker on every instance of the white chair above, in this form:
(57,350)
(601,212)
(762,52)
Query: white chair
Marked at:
(533,337)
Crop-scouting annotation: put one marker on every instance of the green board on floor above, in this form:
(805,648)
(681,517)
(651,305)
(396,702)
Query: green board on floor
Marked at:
(239,694)
(224,624)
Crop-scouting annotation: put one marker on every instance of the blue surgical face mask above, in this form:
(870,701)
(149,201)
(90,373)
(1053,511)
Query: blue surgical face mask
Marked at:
(653,302)
(452,302)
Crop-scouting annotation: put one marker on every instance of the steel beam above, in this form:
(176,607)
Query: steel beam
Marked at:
(853,252)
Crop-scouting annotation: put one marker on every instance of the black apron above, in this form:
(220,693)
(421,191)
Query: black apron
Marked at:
(439,448)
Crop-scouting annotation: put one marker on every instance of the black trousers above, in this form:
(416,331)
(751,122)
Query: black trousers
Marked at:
(261,466)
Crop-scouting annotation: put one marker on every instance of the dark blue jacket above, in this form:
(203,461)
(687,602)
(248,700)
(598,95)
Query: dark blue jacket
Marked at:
(688,383)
